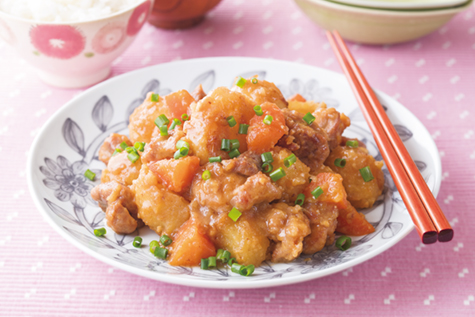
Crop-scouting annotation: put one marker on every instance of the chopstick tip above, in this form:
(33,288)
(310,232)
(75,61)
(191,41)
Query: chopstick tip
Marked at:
(446,235)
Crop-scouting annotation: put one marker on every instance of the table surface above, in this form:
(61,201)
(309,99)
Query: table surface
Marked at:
(41,274)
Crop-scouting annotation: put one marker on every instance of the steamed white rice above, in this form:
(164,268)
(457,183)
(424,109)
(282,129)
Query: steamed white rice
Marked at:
(64,10)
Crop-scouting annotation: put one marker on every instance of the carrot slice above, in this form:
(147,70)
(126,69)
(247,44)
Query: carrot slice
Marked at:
(352,222)
(176,174)
(262,137)
(333,189)
(191,245)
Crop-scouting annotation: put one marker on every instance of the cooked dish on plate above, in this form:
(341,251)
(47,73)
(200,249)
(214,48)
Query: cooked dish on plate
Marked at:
(240,175)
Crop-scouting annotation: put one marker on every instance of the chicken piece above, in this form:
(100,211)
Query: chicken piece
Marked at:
(216,193)
(308,142)
(297,175)
(361,194)
(111,143)
(303,106)
(286,227)
(208,125)
(247,164)
(118,203)
(162,147)
(198,93)
(257,189)
(333,123)
(323,221)
(160,209)
(296,97)
(262,91)
(121,169)
(245,239)
(142,120)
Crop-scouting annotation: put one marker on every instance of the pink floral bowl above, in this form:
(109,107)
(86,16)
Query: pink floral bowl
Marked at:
(76,54)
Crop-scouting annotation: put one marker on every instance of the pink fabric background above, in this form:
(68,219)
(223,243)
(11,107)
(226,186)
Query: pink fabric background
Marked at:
(43,275)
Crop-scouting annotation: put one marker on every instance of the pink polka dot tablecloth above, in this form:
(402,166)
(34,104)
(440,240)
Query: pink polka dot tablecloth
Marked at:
(41,274)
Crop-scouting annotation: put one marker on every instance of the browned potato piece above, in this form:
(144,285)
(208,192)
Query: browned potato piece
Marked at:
(142,120)
(297,175)
(305,106)
(208,125)
(216,192)
(261,92)
(361,194)
(323,222)
(287,227)
(121,169)
(245,238)
(160,209)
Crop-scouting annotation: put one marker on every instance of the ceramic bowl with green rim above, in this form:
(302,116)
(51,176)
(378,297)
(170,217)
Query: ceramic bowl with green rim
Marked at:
(377,26)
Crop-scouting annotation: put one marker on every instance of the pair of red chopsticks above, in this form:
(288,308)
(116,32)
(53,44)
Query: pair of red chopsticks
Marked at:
(426,214)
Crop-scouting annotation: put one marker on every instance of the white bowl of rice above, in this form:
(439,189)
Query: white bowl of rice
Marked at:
(72,43)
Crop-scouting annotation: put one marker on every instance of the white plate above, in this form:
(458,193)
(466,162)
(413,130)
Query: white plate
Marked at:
(404,4)
(68,143)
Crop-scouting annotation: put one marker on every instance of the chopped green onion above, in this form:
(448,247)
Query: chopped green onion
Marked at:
(216,159)
(268,119)
(234,144)
(225,145)
(124,145)
(178,154)
(267,157)
(309,118)
(267,167)
(204,264)
(231,261)
(366,174)
(236,268)
(258,110)
(226,255)
(174,124)
(247,270)
(219,254)
(343,243)
(212,261)
(234,153)
(231,121)
(160,253)
(137,242)
(163,130)
(90,175)
(300,200)
(100,232)
(243,128)
(139,146)
(234,214)
(277,174)
(254,81)
(290,160)
(240,82)
(161,120)
(185,117)
(352,143)
(184,151)
(180,144)
(206,175)
(340,162)
(116,151)
(133,157)
(317,192)
(165,240)
(131,149)
(154,244)
(154,97)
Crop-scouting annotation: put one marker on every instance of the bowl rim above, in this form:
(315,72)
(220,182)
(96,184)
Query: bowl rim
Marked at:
(115,14)
(381,12)
(403,4)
